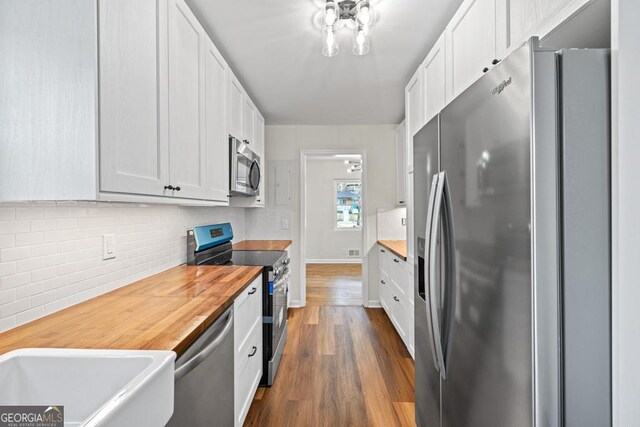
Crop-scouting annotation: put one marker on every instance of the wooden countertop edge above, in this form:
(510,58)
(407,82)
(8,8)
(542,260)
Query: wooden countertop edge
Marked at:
(186,337)
(182,346)
(262,245)
(389,245)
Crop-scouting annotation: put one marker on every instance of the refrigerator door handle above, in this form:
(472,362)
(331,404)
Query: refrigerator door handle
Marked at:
(426,267)
(433,285)
(450,276)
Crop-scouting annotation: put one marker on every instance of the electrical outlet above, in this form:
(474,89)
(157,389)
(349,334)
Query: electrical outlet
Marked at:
(108,246)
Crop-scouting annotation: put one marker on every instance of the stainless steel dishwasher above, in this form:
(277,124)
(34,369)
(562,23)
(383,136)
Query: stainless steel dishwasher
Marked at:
(204,388)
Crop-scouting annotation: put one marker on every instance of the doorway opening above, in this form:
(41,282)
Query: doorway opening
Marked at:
(333,227)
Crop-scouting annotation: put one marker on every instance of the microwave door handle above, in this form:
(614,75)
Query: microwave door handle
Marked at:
(426,268)
(433,284)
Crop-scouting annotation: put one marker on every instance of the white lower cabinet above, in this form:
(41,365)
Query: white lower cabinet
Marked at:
(396,294)
(247,338)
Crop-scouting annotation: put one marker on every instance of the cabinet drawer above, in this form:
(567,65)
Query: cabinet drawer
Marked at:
(248,373)
(248,311)
(383,286)
(384,260)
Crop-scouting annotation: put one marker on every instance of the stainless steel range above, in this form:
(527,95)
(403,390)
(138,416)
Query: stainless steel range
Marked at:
(211,245)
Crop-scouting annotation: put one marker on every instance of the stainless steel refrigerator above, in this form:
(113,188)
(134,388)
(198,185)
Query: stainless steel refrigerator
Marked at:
(512,231)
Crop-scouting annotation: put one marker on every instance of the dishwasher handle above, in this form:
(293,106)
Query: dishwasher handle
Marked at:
(191,364)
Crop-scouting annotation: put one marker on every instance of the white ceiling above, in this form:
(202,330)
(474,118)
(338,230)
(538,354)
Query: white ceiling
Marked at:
(274,49)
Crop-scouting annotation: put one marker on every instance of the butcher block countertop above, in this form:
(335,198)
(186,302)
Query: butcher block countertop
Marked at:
(167,311)
(262,245)
(397,247)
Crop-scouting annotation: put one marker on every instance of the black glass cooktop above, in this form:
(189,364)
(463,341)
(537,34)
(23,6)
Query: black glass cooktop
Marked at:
(261,258)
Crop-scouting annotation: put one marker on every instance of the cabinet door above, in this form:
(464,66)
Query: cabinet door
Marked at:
(133,154)
(401,166)
(434,75)
(248,113)
(217,142)
(470,44)
(414,104)
(234,111)
(187,154)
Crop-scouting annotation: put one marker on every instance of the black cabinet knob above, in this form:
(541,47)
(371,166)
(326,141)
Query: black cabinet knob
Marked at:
(168,187)
(495,61)
(177,188)
(485,69)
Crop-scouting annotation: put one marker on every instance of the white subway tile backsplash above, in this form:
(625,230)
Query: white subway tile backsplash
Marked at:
(7,214)
(14,254)
(51,252)
(8,282)
(14,307)
(7,240)
(26,239)
(13,227)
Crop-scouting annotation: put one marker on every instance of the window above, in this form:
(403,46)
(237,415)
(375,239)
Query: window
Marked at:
(348,196)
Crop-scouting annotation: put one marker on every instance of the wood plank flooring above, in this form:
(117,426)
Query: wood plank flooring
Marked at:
(342,366)
(334,284)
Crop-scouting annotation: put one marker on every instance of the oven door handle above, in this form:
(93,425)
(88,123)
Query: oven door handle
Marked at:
(192,363)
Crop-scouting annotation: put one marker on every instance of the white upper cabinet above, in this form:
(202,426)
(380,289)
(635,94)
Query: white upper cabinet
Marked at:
(471,44)
(248,113)
(414,104)
(234,113)
(187,155)
(401,165)
(217,146)
(434,77)
(133,153)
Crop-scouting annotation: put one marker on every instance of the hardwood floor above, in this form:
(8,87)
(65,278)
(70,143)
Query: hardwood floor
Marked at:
(334,284)
(342,366)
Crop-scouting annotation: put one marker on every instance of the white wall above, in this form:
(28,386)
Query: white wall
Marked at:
(285,143)
(625,40)
(51,253)
(324,242)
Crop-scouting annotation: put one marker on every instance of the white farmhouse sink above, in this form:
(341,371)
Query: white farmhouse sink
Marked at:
(96,387)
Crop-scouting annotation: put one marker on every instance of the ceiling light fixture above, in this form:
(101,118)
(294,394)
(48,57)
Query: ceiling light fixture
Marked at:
(355,14)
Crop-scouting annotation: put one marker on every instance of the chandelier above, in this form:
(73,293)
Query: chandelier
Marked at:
(353,14)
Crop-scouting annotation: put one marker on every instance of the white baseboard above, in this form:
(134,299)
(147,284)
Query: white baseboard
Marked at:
(295,304)
(374,304)
(334,261)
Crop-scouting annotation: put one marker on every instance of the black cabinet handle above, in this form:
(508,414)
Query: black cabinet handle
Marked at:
(383,282)
(177,188)
(396,298)
(485,69)
(395,260)
(495,61)
(382,250)
(168,187)
(253,353)
(246,141)
(401,202)
(253,291)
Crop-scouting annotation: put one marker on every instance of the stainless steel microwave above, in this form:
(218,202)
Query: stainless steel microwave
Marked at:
(245,169)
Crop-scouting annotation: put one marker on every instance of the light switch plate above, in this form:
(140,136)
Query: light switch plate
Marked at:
(108,246)
(284,224)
